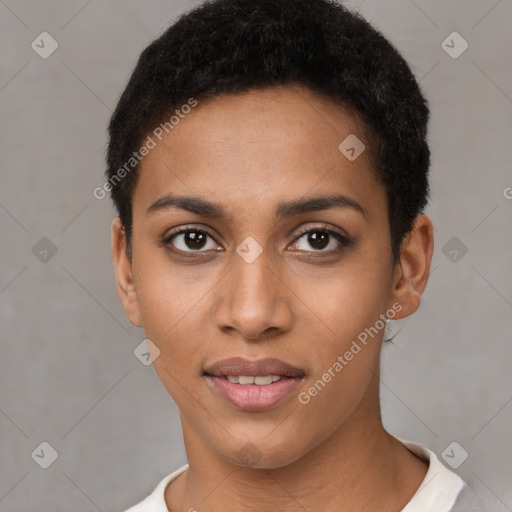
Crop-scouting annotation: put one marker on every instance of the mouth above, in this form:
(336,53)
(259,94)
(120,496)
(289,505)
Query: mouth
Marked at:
(248,380)
(253,385)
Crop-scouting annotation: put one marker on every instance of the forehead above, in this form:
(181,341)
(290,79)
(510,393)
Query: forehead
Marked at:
(251,148)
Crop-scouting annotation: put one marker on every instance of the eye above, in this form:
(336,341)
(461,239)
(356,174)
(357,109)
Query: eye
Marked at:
(188,239)
(320,238)
(195,240)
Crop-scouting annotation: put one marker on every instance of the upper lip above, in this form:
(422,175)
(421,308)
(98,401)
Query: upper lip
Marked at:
(240,366)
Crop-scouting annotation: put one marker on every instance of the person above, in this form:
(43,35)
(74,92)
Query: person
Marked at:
(269,165)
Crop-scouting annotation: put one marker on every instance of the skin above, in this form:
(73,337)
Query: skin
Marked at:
(248,153)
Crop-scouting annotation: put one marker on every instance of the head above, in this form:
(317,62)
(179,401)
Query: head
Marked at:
(289,138)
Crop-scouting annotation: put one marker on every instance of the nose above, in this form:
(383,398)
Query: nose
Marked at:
(254,300)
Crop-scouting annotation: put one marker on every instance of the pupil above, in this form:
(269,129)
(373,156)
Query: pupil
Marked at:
(314,239)
(194,240)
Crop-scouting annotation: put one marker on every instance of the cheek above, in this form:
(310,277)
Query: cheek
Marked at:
(347,300)
(167,292)
(170,301)
(349,329)
(345,363)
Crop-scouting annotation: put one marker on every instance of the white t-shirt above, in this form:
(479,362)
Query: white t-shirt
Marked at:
(441,490)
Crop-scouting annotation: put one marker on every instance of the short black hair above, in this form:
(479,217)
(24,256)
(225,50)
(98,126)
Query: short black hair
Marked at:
(233,46)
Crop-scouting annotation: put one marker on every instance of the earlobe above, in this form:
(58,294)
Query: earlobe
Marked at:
(123,272)
(413,270)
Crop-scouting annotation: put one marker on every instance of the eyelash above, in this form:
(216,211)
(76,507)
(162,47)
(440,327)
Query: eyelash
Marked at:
(344,241)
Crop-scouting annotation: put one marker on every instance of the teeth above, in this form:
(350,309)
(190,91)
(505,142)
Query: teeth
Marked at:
(263,380)
(260,380)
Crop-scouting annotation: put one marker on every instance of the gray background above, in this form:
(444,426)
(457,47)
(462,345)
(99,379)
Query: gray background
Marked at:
(68,373)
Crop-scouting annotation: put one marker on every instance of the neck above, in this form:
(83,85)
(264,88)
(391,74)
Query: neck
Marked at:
(359,467)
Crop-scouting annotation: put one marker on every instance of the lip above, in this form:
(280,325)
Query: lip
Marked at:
(252,397)
(242,366)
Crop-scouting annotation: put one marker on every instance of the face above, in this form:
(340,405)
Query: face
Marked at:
(282,251)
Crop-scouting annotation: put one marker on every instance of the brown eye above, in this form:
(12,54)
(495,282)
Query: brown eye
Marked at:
(320,240)
(191,240)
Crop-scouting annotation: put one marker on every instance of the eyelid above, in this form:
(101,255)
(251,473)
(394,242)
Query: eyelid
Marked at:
(185,229)
(323,227)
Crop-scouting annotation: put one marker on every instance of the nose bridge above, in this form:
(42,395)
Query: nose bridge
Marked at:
(254,299)
(253,277)
(252,266)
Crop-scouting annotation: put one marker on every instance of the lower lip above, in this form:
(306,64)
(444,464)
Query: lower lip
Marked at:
(251,397)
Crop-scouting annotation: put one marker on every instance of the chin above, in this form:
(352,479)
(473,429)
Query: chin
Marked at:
(262,454)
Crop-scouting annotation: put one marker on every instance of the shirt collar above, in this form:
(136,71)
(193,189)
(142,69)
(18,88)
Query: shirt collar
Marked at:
(440,487)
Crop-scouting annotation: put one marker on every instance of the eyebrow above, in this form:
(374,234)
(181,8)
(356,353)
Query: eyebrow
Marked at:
(287,209)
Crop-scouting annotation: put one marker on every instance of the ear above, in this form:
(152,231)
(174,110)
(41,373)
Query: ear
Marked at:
(413,270)
(123,271)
